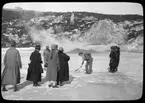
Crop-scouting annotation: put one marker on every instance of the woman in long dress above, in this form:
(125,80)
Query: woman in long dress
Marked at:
(12,63)
(63,73)
(35,68)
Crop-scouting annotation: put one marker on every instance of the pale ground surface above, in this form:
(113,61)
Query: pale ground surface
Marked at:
(126,84)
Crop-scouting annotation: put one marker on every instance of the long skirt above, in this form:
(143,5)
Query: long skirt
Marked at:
(35,77)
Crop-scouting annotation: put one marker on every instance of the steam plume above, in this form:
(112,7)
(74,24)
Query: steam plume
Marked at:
(44,38)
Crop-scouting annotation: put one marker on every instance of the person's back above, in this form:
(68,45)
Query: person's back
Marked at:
(88,57)
(53,66)
(36,56)
(112,53)
(64,67)
(53,60)
(113,59)
(36,61)
(63,57)
(35,68)
(45,55)
(12,63)
(11,56)
(89,60)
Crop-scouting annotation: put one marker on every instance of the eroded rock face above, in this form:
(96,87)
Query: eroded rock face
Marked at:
(89,28)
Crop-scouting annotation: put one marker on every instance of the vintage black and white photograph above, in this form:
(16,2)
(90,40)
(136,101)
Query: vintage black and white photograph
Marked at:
(72,51)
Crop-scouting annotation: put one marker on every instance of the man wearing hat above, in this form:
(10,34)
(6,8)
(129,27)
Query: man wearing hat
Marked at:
(45,54)
(12,65)
(35,68)
(56,48)
(88,60)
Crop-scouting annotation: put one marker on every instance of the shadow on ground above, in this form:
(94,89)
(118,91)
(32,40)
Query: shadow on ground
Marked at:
(26,83)
(65,82)
(71,78)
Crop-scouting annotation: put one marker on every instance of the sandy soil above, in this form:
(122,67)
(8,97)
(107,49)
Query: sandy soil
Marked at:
(126,84)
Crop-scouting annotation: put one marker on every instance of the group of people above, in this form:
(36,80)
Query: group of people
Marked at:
(55,64)
(113,64)
(114,59)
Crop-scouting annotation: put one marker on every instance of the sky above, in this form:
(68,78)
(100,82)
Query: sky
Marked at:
(97,7)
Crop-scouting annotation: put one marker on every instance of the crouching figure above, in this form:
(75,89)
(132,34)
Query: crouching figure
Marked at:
(89,60)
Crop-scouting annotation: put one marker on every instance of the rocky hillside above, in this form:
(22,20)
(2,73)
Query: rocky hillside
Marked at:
(28,27)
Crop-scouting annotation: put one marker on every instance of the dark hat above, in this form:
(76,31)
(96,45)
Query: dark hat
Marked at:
(117,48)
(38,47)
(47,47)
(13,43)
(56,46)
(112,47)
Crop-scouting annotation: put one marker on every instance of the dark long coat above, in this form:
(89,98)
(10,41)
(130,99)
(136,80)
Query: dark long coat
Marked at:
(113,60)
(63,73)
(35,68)
(53,66)
(12,62)
(118,57)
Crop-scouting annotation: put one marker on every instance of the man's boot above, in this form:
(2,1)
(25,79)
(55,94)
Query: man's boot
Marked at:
(54,84)
(60,83)
(15,88)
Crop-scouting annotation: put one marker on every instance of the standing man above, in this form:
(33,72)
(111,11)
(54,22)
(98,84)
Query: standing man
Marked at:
(89,60)
(45,54)
(63,73)
(52,67)
(56,46)
(35,68)
(12,63)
